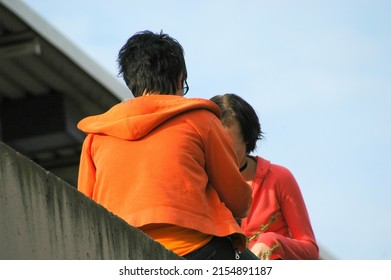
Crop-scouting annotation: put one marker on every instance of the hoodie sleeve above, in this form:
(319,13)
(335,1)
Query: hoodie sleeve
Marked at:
(223,171)
(86,179)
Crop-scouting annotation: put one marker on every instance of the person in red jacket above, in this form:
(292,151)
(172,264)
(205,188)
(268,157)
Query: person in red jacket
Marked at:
(278,225)
(151,160)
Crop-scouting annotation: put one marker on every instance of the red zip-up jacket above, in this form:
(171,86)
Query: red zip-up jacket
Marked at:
(278,204)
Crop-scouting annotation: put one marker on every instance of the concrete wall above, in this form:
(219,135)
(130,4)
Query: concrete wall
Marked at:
(42,217)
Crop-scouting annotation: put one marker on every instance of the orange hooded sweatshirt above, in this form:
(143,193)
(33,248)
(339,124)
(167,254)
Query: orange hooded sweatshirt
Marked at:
(164,159)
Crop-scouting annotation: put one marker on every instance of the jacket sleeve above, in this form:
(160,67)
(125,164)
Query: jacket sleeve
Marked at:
(223,171)
(86,177)
(302,243)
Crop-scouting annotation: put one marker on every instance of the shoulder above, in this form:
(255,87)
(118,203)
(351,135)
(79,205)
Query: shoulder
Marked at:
(269,168)
(285,182)
(279,174)
(280,171)
(203,113)
(203,104)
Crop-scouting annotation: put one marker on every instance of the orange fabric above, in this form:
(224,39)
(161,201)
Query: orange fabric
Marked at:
(277,194)
(157,159)
(178,239)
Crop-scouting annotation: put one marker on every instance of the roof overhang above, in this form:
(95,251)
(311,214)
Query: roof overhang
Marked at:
(46,80)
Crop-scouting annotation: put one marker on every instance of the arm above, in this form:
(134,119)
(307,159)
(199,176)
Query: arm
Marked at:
(86,177)
(301,244)
(223,171)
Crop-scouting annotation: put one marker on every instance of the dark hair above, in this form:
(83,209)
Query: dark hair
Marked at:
(233,107)
(152,62)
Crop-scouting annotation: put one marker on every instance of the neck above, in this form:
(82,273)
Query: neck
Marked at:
(243,166)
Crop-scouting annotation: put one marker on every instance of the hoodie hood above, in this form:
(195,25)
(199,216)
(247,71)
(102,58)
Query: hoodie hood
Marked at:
(135,118)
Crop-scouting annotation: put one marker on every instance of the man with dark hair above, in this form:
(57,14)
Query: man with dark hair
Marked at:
(152,64)
(155,160)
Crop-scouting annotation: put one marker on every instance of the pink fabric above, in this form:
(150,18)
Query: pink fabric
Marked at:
(277,194)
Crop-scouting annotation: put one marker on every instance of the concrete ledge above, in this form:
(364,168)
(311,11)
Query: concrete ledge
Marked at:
(43,217)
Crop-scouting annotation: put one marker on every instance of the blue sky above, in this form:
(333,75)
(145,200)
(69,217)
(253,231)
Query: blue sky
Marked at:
(317,72)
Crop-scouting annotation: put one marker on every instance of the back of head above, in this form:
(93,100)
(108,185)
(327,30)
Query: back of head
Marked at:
(152,63)
(233,107)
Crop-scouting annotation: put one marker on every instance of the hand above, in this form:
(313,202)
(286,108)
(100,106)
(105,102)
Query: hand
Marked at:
(262,251)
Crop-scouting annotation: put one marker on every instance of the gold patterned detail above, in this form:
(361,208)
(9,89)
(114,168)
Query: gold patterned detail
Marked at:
(264,228)
(268,253)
